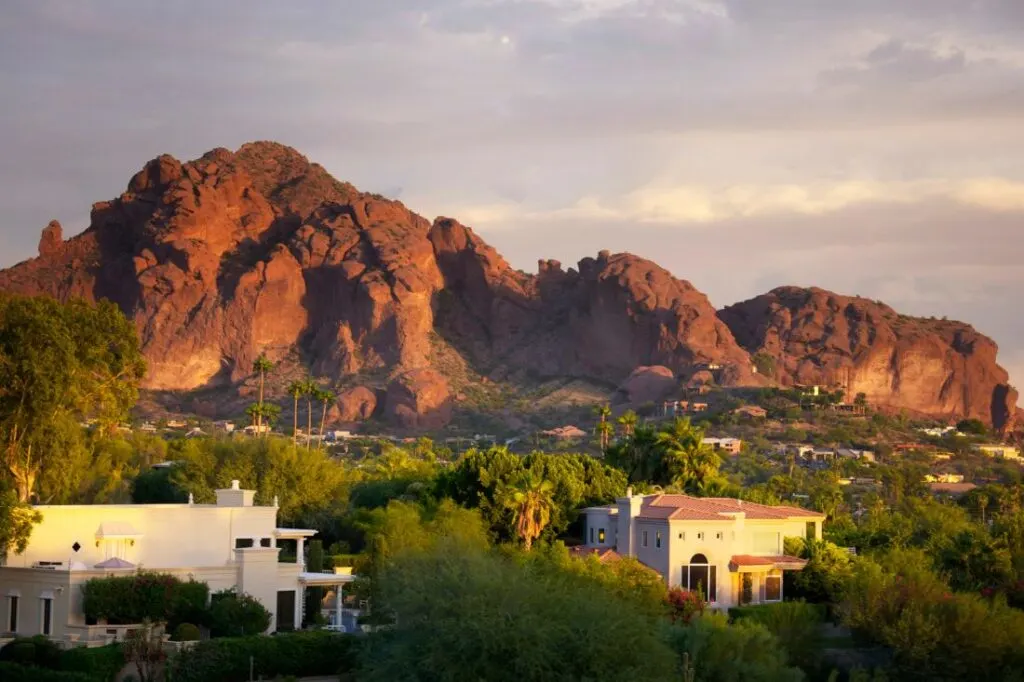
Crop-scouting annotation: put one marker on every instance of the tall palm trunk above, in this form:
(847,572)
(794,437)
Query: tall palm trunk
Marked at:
(309,421)
(259,412)
(323,419)
(295,421)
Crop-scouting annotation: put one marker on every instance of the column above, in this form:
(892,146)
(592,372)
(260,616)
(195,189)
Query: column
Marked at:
(300,557)
(337,606)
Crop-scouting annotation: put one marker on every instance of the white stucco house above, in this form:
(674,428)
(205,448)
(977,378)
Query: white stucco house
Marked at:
(729,549)
(230,544)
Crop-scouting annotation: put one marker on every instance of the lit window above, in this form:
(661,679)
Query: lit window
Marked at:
(12,613)
(643,539)
(600,536)
(657,539)
(46,616)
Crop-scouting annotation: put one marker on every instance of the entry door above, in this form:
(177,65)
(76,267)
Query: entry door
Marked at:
(285,610)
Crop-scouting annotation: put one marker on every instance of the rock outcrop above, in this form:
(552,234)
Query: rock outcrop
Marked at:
(925,366)
(260,251)
(647,385)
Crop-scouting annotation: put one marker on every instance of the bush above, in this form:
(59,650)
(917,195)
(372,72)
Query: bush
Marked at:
(12,672)
(186,632)
(33,651)
(300,654)
(237,615)
(101,664)
(796,624)
(157,597)
(727,653)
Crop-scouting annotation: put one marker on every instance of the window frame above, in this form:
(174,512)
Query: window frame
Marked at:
(601,536)
(711,571)
(46,616)
(643,538)
(657,539)
(13,612)
(777,578)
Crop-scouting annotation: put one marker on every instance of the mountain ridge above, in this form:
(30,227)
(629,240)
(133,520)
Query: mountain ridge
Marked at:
(259,250)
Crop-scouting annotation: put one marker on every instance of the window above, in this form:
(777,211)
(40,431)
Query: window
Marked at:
(773,588)
(643,539)
(718,535)
(243,543)
(812,531)
(591,535)
(265,542)
(700,536)
(699,576)
(657,539)
(12,613)
(682,536)
(46,616)
(600,536)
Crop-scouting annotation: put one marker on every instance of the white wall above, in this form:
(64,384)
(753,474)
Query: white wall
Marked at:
(173,535)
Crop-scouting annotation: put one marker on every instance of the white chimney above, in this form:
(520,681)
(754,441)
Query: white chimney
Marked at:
(629,491)
(235,496)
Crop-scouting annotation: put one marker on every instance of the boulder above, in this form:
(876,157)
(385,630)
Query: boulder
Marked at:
(647,385)
(419,399)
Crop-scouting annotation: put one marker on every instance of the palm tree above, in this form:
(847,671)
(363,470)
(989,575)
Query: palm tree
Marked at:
(603,428)
(531,502)
(628,422)
(688,462)
(309,388)
(296,389)
(261,366)
(325,397)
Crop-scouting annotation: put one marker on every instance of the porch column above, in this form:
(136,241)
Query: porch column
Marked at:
(300,557)
(300,606)
(337,606)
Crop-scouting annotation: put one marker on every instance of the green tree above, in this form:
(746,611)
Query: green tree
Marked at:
(530,502)
(688,462)
(604,427)
(261,366)
(314,595)
(973,427)
(237,615)
(309,389)
(59,364)
(628,422)
(16,521)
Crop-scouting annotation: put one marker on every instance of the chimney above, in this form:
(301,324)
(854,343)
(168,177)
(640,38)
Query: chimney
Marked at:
(235,496)
(629,508)
(629,491)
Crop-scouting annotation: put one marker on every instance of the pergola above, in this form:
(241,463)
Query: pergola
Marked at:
(332,580)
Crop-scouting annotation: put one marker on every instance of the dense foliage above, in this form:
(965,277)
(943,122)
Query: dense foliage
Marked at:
(39,658)
(157,597)
(234,614)
(296,654)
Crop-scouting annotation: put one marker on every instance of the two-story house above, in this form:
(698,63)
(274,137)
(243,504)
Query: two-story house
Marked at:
(229,544)
(730,550)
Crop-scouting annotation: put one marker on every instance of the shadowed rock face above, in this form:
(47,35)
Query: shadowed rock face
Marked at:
(259,250)
(934,367)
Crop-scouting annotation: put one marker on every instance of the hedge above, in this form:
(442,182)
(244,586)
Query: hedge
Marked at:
(145,596)
(13,672)
(300,654)
(763,612)
(41,656)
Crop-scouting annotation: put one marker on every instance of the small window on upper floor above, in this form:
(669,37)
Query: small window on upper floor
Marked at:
(643,538)
(682,536)
(700,536)
(657,539)
(265,542)
(718,535)
(812,531)
(243,543)
(591,536)
(600,536)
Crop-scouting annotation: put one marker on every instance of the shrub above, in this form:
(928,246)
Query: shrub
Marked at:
(32,651)
(186,632)
(12,672)
(300,654)
(796,624)
(236,615)
(101,664)
(725,653)
(683,605)
(157,597)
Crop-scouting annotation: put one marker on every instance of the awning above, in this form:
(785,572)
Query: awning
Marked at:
(325,579)
(117,530)
(783,562)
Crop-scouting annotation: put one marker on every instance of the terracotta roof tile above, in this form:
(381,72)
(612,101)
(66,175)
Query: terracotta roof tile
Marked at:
(715,509)
(751,560)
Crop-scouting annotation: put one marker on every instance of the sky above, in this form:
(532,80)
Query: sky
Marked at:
(871,147)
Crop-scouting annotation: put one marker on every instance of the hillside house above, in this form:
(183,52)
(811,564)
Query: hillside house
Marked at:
(853,453)
(230,544)
(1000,451)
(751,412)
(730,550)
(729,446)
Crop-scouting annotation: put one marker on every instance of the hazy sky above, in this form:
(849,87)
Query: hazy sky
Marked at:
(873,147)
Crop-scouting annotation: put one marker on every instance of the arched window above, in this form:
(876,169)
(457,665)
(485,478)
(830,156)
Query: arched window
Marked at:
(700,576)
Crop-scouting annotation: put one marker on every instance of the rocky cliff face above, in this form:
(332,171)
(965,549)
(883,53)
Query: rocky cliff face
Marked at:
(926,366)
(259,250)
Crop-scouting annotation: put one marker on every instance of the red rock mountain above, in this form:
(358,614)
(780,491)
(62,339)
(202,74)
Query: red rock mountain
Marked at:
(259,250)
(926,366)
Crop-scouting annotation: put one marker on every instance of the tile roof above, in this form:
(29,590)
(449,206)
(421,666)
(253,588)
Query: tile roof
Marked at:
(685,507)
(750,560)
(603,554)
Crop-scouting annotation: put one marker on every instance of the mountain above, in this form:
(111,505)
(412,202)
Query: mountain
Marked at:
(932,367)
(260,251)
